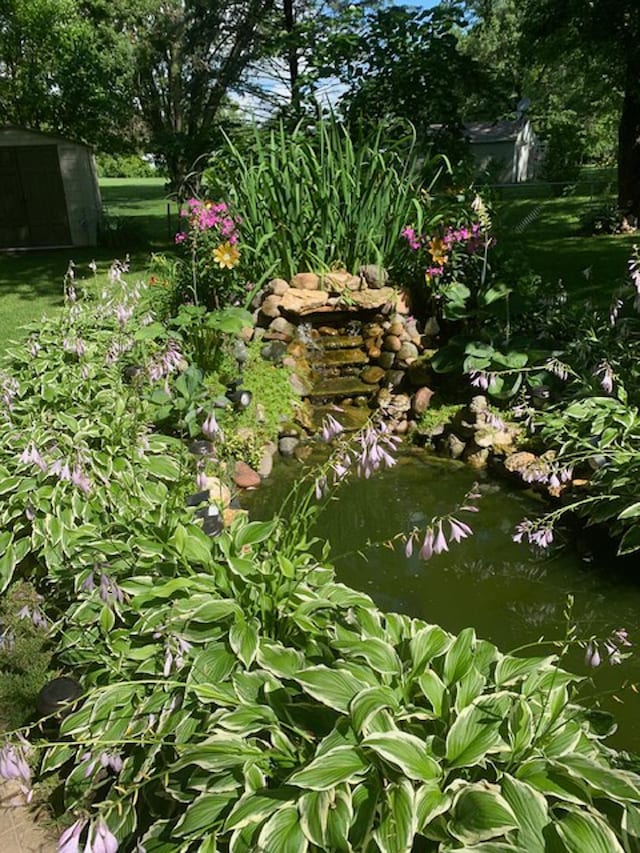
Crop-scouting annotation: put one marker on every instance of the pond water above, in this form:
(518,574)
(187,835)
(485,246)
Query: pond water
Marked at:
(508,593)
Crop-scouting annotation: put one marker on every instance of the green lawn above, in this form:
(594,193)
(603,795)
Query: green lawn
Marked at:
(31,282)
(544,231)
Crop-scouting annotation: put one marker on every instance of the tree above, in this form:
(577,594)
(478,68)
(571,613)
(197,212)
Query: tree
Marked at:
(59,72)
(406,64)
(608,34)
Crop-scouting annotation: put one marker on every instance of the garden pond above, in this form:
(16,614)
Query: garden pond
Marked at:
(509,594)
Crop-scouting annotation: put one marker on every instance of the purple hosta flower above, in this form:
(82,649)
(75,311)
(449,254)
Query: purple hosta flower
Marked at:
(341,467)
(558,368)
(495,421)
(70,294)
(34,615)
(480,379)
(426,551)
(75,346)
(170,361)
(9,389)
(440,542)
(34,348)
(89,583)
(592,655)
(614,310)
(13,765)
(605,373)
(110,592)
(174,655)
(116,349)
(537,533)
(201,480)
(321,488)
(634,272)
(459,530)
(81,480)
(146,320)
(69,841)
(123,314)
(375,446)
(331,428)
(211,429)
(31,455)
(102,840)
(61,470)
(117,270)
(93,266)
(408,547)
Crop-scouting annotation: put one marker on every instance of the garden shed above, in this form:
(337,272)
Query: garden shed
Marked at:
(508,150)
(49,193)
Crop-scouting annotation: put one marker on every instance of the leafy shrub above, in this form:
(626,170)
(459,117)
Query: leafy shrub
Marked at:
(312,200)
(125,166)
(604,219)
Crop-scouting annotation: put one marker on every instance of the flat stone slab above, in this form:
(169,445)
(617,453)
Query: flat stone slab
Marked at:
(342,386)
(301,302)
(338,357)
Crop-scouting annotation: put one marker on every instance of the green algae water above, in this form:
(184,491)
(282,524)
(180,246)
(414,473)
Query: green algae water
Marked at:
(509,594)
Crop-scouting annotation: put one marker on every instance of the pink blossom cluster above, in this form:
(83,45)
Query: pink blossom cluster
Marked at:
(469,236)
(435,540)
(205,215)
(605,374)
(106,760)
(9,389)
(75,346)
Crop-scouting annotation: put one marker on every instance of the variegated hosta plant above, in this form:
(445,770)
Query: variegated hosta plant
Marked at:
(259,705)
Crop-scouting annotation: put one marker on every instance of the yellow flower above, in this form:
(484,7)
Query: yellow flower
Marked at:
(437,250)
(226,256)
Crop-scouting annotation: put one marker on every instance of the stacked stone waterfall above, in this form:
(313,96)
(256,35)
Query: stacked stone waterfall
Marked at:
(349,340)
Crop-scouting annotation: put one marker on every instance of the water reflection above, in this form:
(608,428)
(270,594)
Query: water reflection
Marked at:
(509,594)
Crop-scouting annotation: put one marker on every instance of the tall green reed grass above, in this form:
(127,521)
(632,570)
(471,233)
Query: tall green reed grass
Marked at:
(320,198)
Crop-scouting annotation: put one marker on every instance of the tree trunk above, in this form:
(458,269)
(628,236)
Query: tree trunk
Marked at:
(629,147)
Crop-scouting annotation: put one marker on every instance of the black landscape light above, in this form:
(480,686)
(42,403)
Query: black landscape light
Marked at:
(58,695)
(198,498)
(240,398)
(201,447)
(212,521)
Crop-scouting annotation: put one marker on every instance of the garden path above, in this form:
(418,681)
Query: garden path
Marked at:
(19,830)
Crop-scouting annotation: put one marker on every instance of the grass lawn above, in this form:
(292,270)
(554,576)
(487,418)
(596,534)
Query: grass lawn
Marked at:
(31,282)
(545,232)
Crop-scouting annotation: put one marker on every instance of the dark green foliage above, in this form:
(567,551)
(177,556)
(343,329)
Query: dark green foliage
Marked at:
(25,655)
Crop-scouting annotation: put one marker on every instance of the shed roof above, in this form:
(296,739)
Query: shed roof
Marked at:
(38,134)
(506,130)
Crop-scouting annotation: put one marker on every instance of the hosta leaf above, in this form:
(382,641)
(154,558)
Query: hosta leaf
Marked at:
(581,832)
(475,732)
(253,808)
(380,656)
(510,670)
(219,752)
(339,821)
(430,802)
(254,532)
(243,639)
(459,657)
(558,784)
(341,764)
(282,832)
(367,704)
(202,814)
(406,752)
(562,740)
(278,659)
(469,688)
(333,687)
(521,727)
(531,811)
(480,813)
(619,784)
(314,812)
(397,826)
(428,643)
(434,690)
